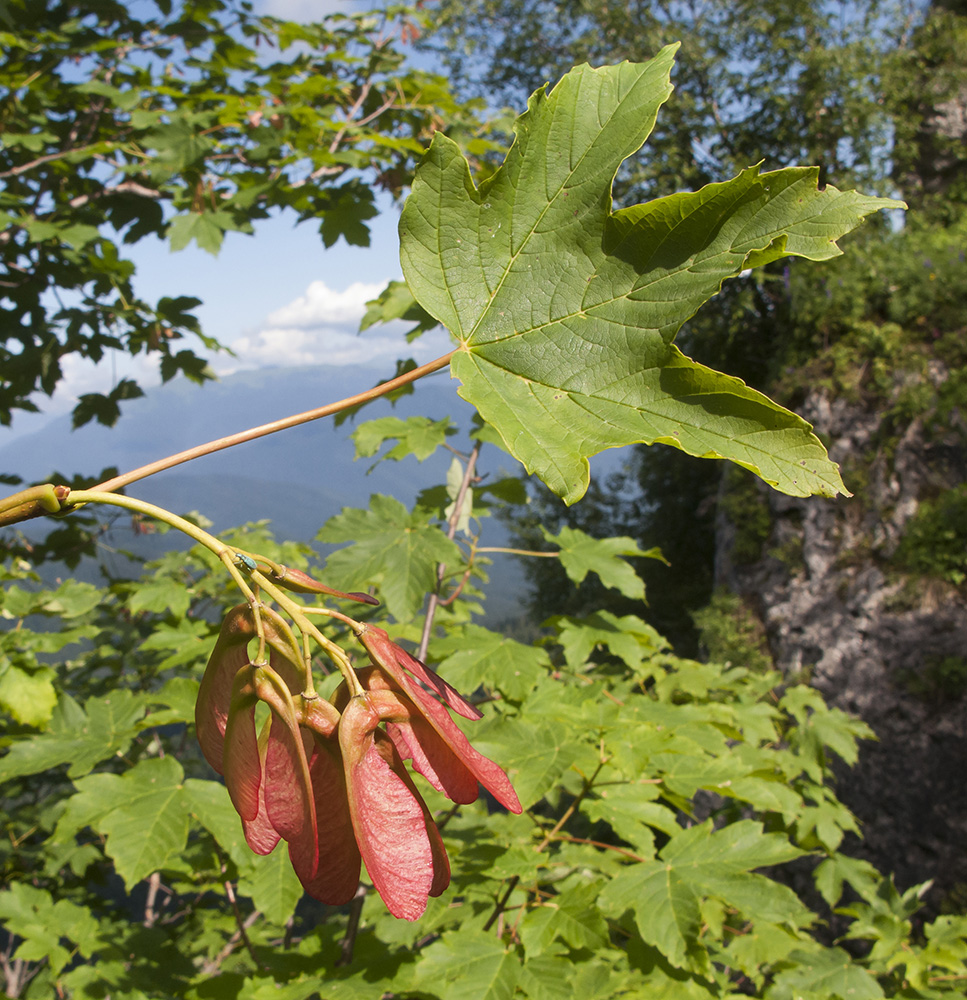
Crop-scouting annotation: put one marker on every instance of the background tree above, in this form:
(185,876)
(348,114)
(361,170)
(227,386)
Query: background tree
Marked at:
(183,121)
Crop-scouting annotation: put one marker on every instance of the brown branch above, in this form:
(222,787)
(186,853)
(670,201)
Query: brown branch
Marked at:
(241,934)
(571,809)
(441,569)
(125,187)
(603,846)
(220,444)
(39,162)
(458,590)
(150,915)
(499,907)
(348,943)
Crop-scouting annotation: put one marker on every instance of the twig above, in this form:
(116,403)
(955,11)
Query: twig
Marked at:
(154,883)
(271,428)
(499,907)
(445,602)
(40,161)
(518,552)
(125,187)
(598,843)
(210,968)
(571,809)
(350,121)
(348,942)
(441,569)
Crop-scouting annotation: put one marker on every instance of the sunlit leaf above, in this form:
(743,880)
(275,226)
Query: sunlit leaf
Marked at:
(564,313)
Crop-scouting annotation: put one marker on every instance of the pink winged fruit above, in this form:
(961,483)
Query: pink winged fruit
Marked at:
(329,778)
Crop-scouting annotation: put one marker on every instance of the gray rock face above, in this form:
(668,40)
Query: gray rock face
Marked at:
(878,645)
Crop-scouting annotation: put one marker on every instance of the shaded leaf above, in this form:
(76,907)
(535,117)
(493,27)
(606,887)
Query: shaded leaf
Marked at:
(477,656)
(581,554)
(418,436)
(394,549)
(50,929)
(76,736)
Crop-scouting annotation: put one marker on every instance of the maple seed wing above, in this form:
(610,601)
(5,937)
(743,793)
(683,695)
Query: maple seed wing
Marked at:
(260,835)
(215,694)
(288,791)
(243,768)
(396,662)
(389,817)
(337,876)
(417,740)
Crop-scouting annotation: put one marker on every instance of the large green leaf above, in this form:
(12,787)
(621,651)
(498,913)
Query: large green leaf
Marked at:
(391,548)
(80,737)
(698,863)
(565,312)
(143,813)
(824,974)
(471,965)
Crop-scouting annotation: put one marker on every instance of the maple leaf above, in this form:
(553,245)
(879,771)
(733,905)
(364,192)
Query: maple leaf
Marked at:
(565,313)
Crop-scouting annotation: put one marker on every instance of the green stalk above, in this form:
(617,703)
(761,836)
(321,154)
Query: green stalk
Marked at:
(227,554)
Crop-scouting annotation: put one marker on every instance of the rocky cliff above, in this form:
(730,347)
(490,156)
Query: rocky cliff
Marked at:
(842,597)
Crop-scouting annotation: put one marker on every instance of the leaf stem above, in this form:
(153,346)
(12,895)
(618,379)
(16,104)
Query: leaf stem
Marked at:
(571,809)
(227,555)
(517,552)
(76,498)
(220,444)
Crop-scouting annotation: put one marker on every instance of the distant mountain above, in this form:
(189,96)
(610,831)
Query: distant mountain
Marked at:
(297,478)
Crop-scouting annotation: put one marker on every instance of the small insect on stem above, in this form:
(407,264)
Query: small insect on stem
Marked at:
(245,562)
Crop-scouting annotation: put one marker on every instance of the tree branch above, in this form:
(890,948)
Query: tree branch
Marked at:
(348,943)
(125,187)
(220,444)
(434,601)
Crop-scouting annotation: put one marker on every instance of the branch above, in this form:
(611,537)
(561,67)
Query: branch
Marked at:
(499,907)
(220,444)
(434,601)
(125,187)
(348,943)
(40,161)
(241,934)
(571,809)
(150,915)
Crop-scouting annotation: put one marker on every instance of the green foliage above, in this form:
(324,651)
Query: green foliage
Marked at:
(665,800)
(730,632)
(581,554)
(799,88)
(187,123)
(677,815)
(934,541)
(748,516)
(391,547)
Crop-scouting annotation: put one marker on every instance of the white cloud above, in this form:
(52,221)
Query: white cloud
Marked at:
(322,306)
(320,328)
